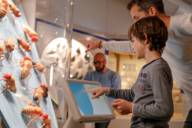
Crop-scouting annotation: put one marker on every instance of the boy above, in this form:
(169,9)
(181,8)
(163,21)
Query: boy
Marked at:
(150,98)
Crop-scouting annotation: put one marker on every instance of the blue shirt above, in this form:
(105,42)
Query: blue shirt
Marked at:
(107,79)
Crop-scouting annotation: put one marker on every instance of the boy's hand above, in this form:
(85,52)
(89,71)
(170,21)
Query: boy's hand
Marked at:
(122,106)
(96,92)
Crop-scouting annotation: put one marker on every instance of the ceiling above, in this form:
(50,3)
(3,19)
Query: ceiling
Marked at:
(108,19)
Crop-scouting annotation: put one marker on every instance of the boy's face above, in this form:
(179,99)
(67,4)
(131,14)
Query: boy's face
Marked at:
(138,46)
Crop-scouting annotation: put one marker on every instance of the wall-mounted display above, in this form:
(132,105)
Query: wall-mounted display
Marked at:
(24,97)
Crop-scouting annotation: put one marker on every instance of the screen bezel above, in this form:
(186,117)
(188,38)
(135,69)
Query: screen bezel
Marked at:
(76,112)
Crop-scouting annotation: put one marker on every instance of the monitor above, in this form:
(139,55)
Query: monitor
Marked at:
(85,108)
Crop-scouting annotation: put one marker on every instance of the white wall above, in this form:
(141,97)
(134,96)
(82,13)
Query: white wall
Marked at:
(105,17)
(108,17)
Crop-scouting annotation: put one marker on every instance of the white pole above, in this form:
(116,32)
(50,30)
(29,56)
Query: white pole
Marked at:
(51,75)
(68,23)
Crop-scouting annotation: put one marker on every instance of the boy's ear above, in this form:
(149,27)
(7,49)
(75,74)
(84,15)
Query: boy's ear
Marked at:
(146,39)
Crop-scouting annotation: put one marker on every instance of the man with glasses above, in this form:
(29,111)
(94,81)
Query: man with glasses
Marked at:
(105,76)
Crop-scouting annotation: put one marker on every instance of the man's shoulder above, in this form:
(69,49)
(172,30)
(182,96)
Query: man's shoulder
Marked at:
(89,75)
(91,72)
(179,19)
(112,72)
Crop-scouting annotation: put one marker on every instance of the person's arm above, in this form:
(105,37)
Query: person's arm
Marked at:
(114,46)
(118,46)
(162,106)
(126,94)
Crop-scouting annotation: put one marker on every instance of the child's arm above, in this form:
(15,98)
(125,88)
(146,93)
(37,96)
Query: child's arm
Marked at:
(126,94)
(162,105)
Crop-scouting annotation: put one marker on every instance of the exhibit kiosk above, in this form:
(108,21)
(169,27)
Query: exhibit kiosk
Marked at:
(82,108)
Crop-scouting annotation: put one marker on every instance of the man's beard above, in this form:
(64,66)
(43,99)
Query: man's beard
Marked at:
(99,69)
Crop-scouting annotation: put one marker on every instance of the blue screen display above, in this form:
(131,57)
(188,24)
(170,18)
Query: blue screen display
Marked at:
(88,106)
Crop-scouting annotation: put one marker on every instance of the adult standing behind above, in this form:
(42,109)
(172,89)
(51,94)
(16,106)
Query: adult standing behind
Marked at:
(178,47)
(105,76)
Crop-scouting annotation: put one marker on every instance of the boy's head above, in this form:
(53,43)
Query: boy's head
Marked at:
(148,33)
(142,8)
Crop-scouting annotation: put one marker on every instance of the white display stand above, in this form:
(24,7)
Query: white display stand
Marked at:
(81,107)
(72,123)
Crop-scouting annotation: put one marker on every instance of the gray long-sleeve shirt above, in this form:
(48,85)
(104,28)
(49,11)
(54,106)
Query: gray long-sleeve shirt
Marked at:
(151,95)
